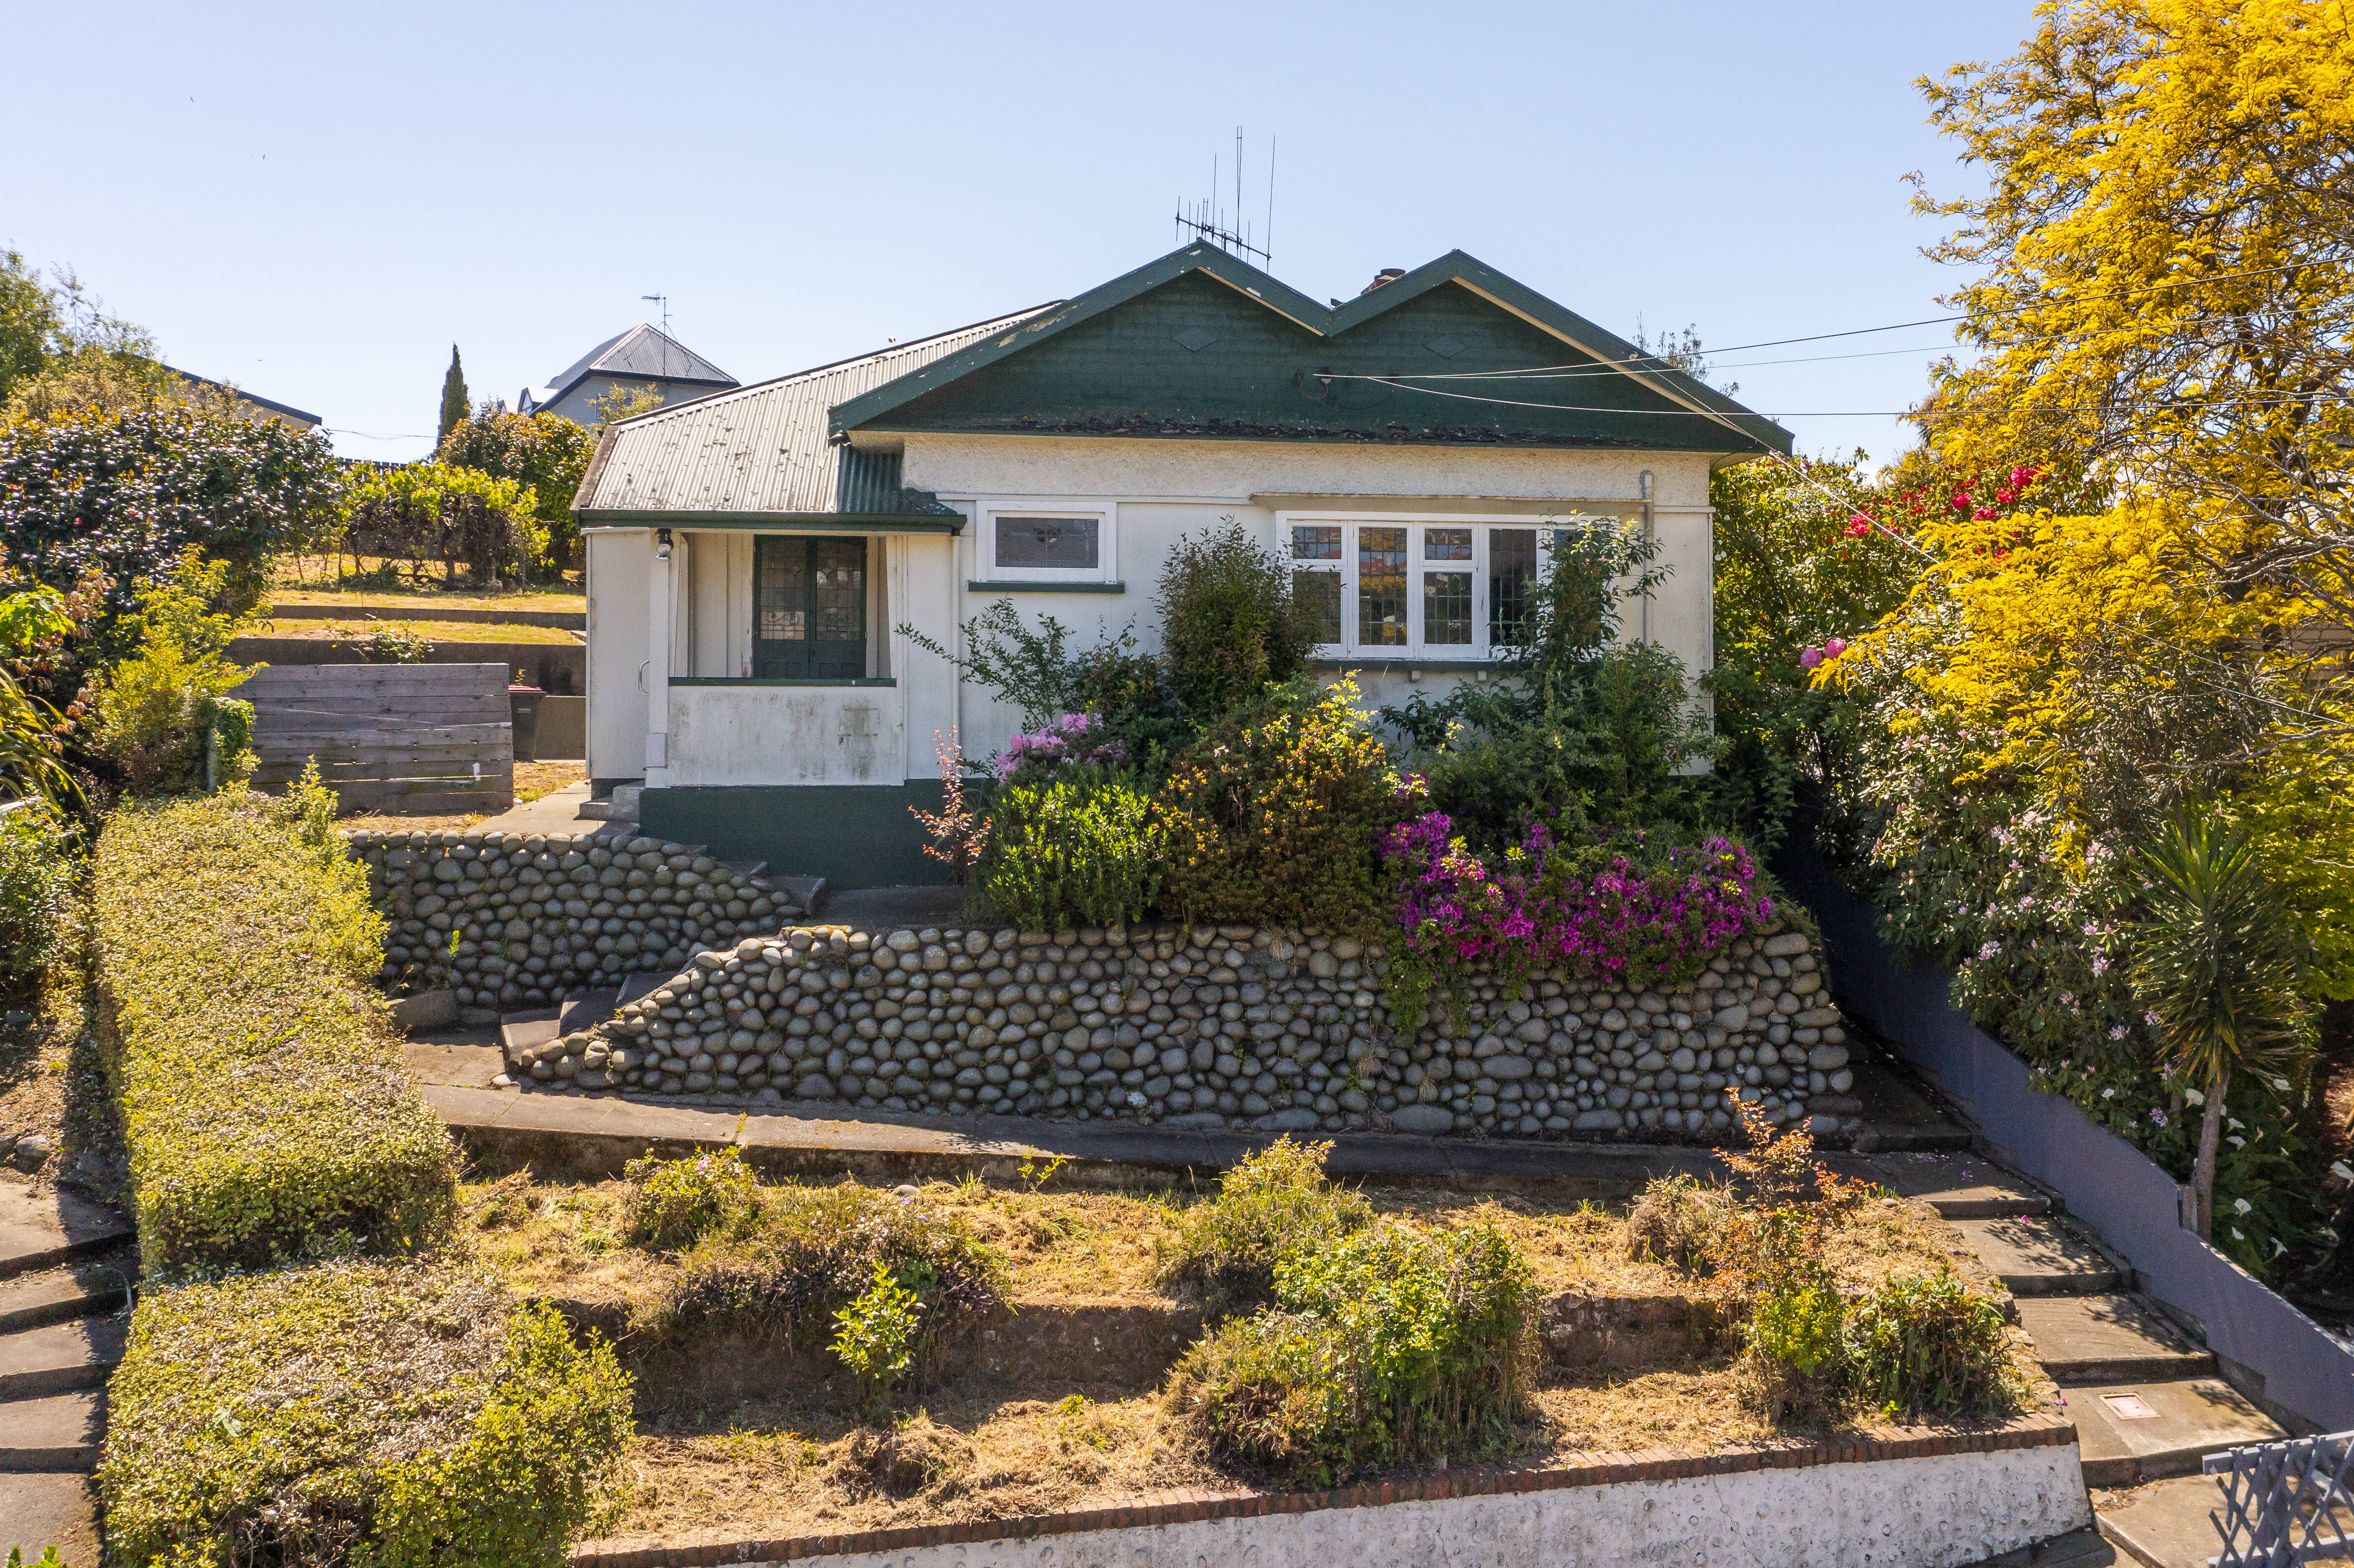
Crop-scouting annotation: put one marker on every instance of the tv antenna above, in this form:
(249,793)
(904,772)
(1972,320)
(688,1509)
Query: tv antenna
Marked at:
(664,301)
(1207,220)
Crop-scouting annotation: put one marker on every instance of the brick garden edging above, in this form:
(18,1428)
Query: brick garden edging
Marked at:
(1190,1507)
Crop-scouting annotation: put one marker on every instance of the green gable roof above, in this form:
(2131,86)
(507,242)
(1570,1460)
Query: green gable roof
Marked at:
(1200,343)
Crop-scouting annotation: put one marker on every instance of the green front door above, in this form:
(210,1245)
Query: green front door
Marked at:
(809,609)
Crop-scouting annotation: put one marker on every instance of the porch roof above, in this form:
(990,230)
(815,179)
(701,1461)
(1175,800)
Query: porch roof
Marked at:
(763,453)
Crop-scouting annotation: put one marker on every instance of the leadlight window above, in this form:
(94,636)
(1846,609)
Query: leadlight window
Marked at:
(1052,544)
(1434,589)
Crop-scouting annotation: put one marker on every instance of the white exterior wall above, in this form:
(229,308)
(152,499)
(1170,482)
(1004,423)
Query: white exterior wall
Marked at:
(1156,492)
(618,562)
(1165,489)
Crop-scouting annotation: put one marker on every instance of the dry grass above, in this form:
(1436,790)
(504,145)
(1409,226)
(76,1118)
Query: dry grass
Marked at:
(359,623)
(533,780)
(802,1465)
(562,1238)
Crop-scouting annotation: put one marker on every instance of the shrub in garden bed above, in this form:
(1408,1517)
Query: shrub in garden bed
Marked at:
(36,868)
(1276,815)
(1270,1203)
(1083,848)
(264,1104)
(1386,1347)
(393,1414)
(786,1274)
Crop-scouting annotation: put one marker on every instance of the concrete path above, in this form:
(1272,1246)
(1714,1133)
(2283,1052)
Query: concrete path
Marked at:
(557,812)
(65,1270)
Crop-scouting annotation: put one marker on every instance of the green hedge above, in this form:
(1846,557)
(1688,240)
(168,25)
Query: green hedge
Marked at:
(360,1412)
(264,1103)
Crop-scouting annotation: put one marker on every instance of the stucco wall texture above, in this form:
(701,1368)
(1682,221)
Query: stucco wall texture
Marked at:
(1938,1512)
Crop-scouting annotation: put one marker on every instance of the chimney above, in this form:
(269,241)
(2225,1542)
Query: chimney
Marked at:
(1387,275)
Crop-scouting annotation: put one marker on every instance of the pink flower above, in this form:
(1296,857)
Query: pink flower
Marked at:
(1810,658)
(1835,647)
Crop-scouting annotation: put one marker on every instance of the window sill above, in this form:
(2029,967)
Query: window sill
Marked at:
(1385,662)
(1045,588)
(779,681)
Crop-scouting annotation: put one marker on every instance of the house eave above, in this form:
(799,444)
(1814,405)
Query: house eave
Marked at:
(775,522)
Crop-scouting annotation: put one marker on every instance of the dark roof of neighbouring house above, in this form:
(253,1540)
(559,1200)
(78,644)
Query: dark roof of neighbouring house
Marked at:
(242,395)
(642,353)
(765,448)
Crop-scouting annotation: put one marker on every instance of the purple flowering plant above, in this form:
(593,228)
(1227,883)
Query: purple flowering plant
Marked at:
(1619,907)
(1072,740)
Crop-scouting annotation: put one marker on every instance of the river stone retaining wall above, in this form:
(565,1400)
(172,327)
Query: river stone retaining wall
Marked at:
(538,914)
(1226,1025)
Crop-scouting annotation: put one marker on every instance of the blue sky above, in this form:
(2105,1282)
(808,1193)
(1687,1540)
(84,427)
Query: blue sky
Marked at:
(315,201)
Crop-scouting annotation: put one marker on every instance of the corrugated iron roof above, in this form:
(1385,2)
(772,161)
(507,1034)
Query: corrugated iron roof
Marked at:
(763,447)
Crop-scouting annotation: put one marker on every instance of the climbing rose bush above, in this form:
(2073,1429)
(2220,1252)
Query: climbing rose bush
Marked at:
(1617,907)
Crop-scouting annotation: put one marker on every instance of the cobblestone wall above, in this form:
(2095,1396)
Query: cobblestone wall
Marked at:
(1229,1025)
(512,920)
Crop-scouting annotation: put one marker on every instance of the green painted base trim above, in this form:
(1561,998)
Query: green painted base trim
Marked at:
(1046,588)
(854,835)
(779,681)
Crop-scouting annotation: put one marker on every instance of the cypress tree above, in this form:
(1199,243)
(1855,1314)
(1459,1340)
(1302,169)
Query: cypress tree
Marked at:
(454,408)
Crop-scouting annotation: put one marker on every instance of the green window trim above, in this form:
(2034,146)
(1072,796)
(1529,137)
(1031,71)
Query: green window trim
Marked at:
(779,681)
(1045,588)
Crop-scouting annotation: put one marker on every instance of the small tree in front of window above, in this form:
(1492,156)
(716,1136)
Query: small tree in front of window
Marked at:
(1230,626)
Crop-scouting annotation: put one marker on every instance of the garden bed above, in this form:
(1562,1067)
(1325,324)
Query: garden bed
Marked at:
(1058,1405)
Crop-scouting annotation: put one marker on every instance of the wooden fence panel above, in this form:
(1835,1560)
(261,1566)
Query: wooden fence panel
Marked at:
(417,740)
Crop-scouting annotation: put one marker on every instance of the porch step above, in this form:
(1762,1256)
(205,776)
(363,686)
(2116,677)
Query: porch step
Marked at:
(61,1358)
(61,1432)
(2039,1256)
(585,1010)
(2129,1432)
(2108,1339)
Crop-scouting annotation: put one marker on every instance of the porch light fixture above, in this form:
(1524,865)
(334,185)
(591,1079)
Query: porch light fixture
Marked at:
(662,543)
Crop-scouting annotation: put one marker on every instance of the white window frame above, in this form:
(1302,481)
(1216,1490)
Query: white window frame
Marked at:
(1416,647)
(1104,513)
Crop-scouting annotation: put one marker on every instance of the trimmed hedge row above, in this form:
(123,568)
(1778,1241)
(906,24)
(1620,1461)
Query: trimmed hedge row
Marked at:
(264,1104)
(403,1414)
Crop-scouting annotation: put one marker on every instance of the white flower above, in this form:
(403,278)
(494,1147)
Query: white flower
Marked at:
(2239,1235)
(2234,1123)
(2280,1085)
(2237,1142)
(2279,1246)
(2150,1018)
(2108,1094)
(2194,1097)
(2242,1205)
(2343,1171)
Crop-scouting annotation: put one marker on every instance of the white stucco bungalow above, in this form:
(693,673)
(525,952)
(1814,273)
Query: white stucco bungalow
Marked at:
(749,555)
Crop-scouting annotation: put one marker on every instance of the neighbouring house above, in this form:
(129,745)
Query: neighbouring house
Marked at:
(263,410)
(644,357)
(753,557)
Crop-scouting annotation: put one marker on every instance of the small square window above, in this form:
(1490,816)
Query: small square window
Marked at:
(1315,542)
(1446,543)
(1054,544)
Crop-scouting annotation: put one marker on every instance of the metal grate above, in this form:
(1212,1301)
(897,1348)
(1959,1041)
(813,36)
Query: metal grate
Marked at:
(2285,1503)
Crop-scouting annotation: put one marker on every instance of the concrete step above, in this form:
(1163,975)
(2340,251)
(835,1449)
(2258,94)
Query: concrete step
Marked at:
(1958,1186)
(60,1433)
(41,1229)
(84,1289)
(2039,1256)
(2109,1338)
(2129,1432)
(59,1511)
(61,1358)
(2172,1523)
(585,1009)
